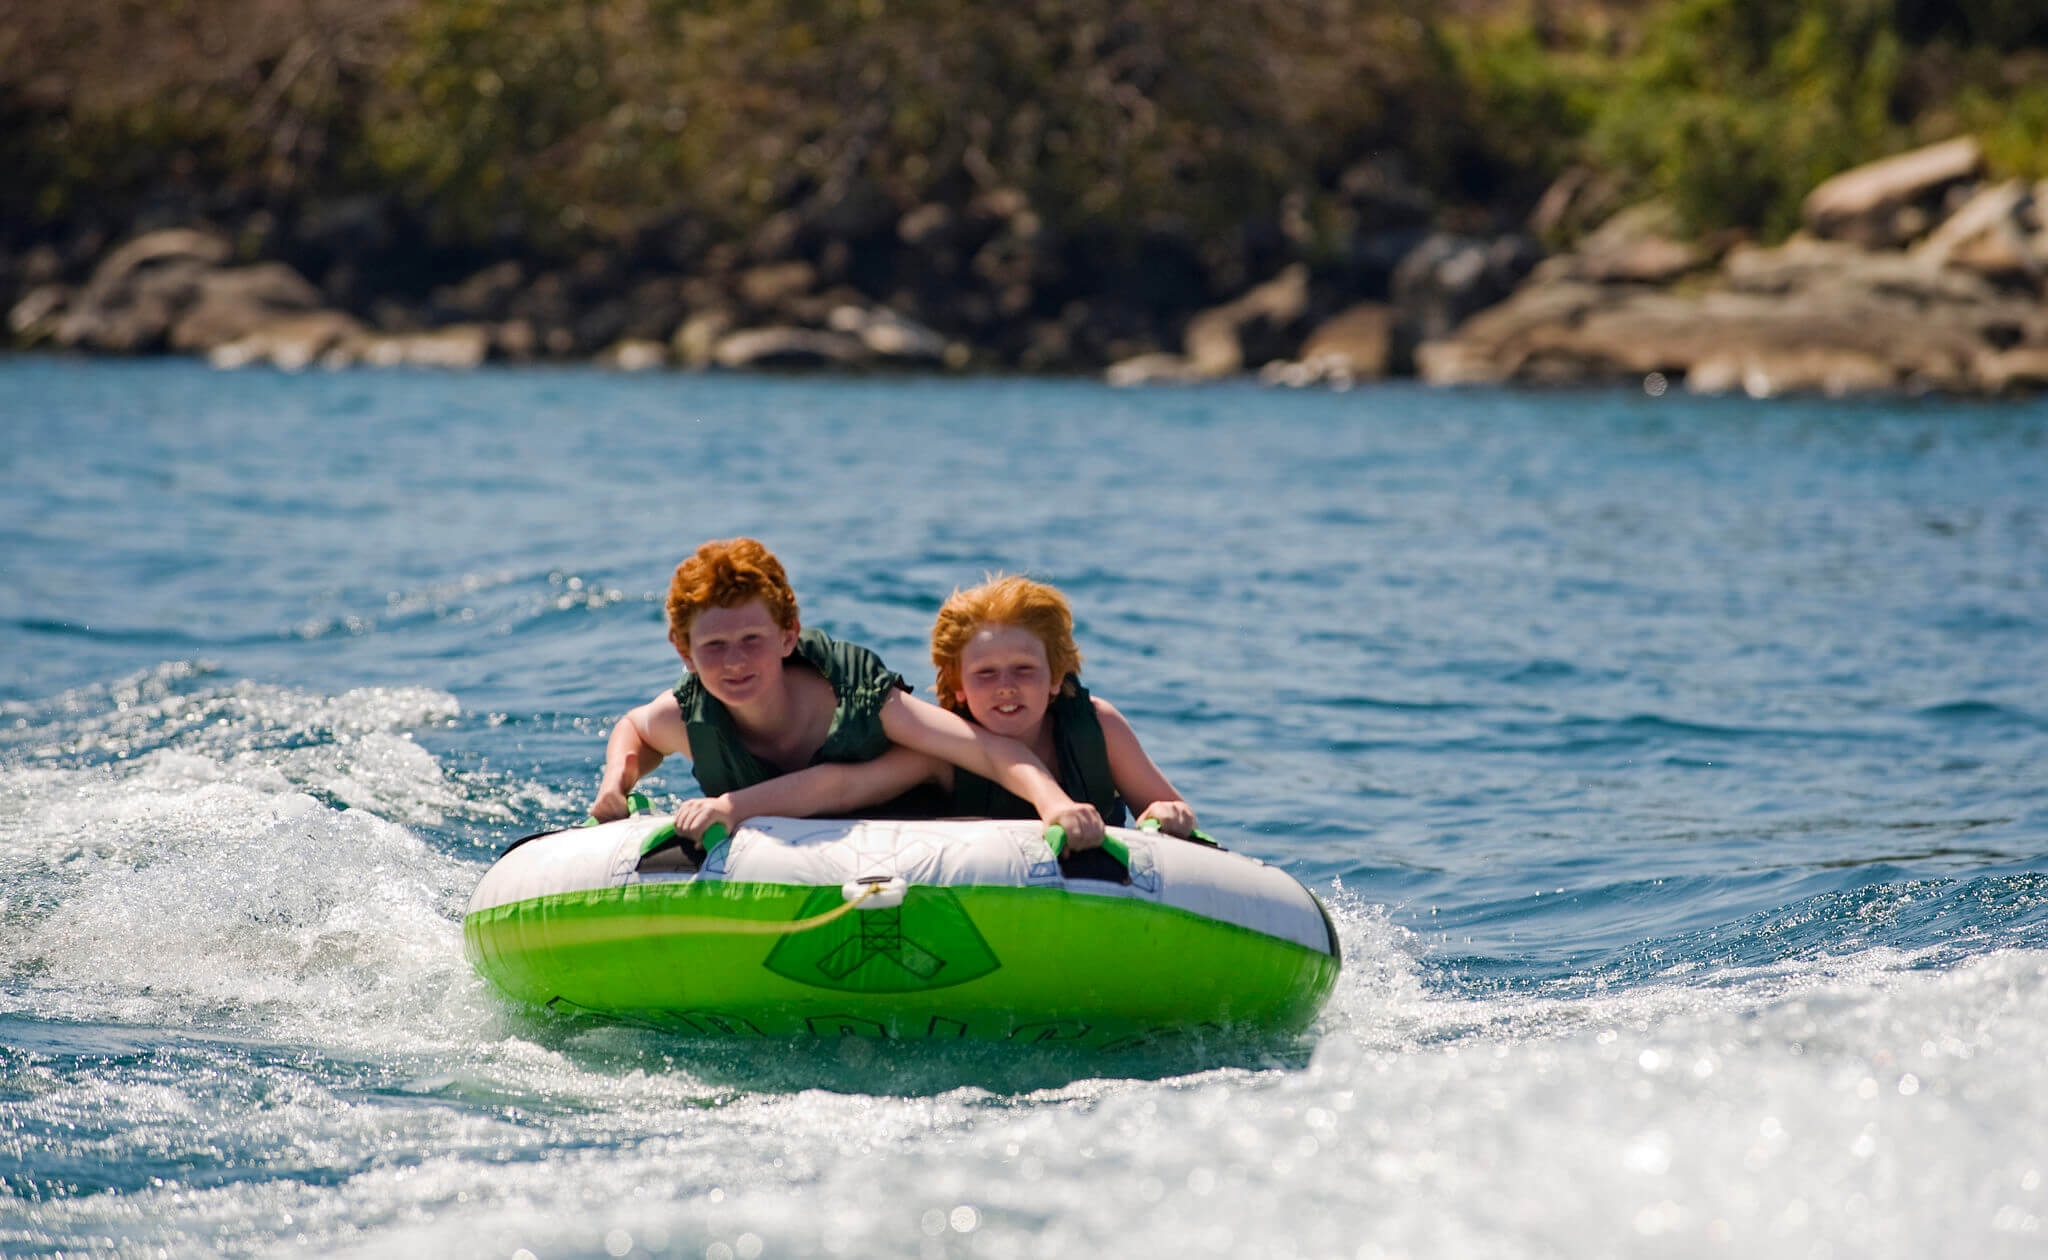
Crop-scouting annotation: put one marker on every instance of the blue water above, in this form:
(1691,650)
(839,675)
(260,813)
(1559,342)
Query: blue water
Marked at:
(1677,770)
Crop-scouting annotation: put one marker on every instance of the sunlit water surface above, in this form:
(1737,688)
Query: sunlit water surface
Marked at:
(1677,771)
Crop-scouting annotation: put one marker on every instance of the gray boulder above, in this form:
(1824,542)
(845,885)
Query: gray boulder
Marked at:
(515,339)
(1214,341)
(456,347)
(889,335)
(1995,233)
(292,342)
(231,303)
(1883,205)
(634,354)
(2021,367)
(782,346)
(1446,279)
(36,316)
(154,249)
(1356,344)
(1361,334)
(1153,368)
(169,290)
(695,340)
(138,291)
(1639,245)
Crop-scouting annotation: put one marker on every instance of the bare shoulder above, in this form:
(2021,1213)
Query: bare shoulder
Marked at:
(1138,777)
(661,724)
(1109,715)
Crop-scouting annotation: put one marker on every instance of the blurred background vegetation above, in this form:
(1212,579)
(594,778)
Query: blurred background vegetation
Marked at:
(1246,132)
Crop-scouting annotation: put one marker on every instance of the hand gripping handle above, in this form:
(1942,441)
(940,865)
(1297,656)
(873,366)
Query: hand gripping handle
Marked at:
(1056,840)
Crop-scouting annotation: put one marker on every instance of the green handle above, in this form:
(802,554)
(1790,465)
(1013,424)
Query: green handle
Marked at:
(713,836)
(1197,835)
(1056,840)
(1117,849)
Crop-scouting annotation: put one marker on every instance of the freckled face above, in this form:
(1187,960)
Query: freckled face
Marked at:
(737,652)
(1005,681)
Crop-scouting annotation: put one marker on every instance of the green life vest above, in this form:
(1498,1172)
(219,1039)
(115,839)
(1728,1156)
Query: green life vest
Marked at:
(858,678)
(1083,769)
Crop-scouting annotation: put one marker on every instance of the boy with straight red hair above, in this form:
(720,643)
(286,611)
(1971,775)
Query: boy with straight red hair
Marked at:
(1007,660)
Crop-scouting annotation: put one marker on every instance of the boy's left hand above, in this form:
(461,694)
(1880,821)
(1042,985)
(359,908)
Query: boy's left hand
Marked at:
(1174,817)
(1082,823)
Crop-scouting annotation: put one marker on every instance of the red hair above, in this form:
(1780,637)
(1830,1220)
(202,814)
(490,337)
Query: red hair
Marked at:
(725,574)
(1003,601)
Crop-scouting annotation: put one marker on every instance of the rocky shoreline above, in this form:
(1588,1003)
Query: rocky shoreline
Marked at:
(1913,274)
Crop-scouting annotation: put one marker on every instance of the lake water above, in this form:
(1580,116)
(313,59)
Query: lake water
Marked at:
(1676,770)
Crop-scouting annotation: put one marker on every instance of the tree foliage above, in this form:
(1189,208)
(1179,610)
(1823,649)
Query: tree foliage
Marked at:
(551,124)
(1126,112)
(1736,108)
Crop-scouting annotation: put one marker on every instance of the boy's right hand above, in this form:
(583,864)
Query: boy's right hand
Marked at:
(1082,824)
(610,806)
(611,803)
(1175,818)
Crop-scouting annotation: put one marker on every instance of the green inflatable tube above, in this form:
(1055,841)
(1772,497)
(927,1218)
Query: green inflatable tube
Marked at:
(902,929)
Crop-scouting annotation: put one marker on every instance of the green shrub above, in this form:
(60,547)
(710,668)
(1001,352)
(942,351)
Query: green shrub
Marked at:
(1116,115)
(1735,109)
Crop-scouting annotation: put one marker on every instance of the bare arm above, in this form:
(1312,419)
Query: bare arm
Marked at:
(949,737)
(639,742)
(830,788)
(1140,781)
